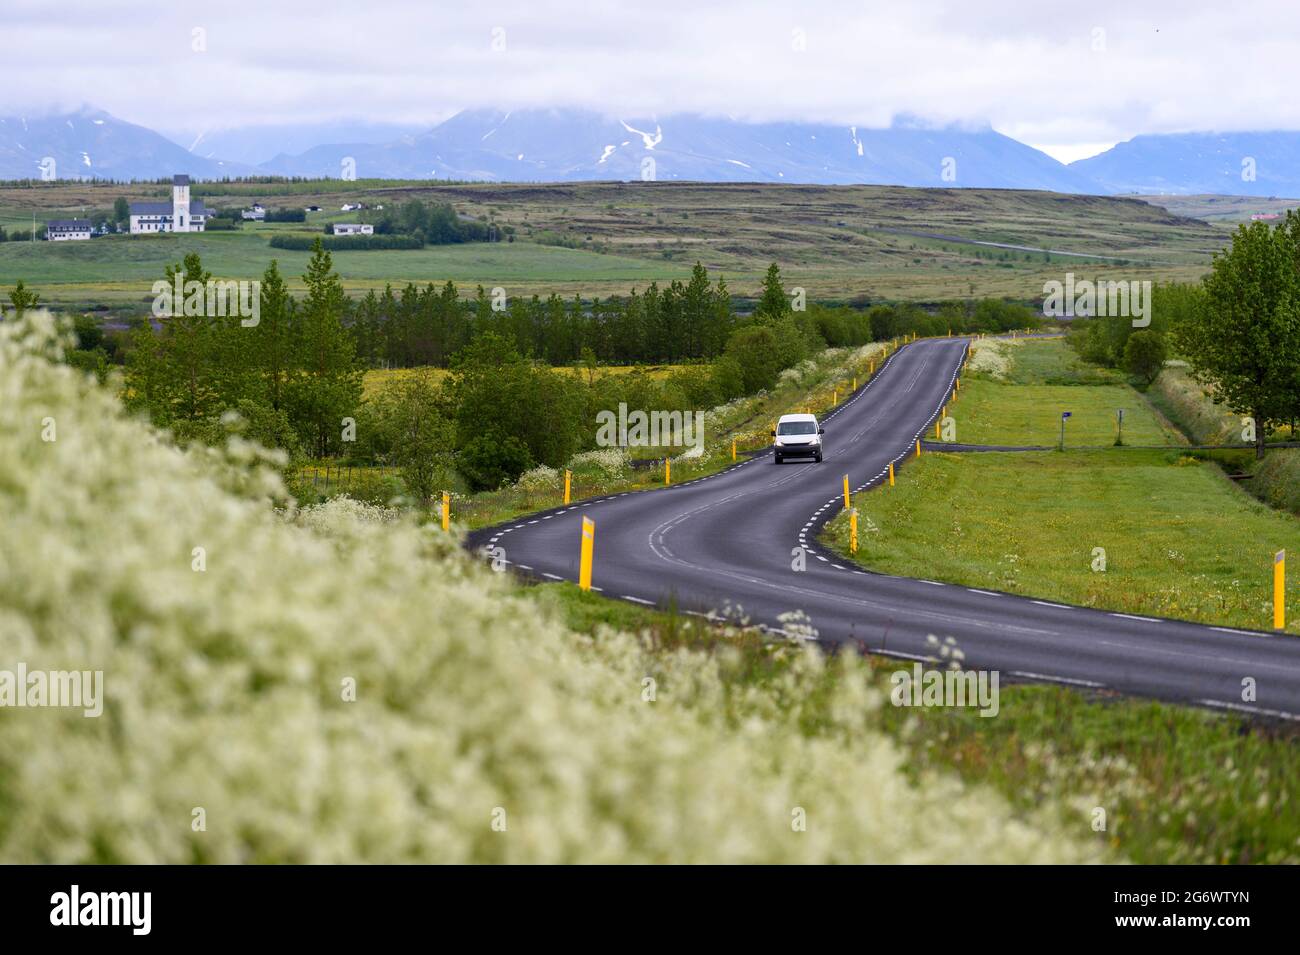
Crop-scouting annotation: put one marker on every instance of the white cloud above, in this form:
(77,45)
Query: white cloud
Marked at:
(1062,77)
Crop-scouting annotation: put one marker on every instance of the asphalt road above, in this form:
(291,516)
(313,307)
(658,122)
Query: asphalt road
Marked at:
(722,545)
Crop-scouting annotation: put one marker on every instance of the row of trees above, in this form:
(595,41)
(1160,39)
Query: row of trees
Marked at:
(415,326)
(683,321)
(293,376)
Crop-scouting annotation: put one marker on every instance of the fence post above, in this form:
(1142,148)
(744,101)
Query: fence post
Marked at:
(587,553)
(1279,590)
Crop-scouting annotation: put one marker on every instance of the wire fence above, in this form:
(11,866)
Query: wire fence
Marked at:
(364,482)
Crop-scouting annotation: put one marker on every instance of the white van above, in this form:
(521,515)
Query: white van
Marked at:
(797,436)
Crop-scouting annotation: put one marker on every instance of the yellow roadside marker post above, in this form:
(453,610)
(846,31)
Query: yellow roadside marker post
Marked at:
(1279,590)
(855,382)
(835,397)
(733,449)
(891,473)
(668,472)
(847,505)
(853,531)
(588,546)
(568,479)
(937,433)
(446,511)
(918,447)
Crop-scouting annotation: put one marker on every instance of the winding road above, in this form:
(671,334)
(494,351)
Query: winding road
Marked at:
(723,545)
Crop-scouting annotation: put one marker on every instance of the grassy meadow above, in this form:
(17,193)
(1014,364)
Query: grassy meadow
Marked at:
(841,243)
(1047,379)
(1180,539)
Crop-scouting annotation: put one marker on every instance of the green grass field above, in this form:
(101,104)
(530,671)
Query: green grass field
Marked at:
(376,379)
(1180,539)
(1044,379)
(119,269)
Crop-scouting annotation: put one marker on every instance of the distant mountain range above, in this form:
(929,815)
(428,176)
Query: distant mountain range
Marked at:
(1238,164)
(555,145)
(94,144)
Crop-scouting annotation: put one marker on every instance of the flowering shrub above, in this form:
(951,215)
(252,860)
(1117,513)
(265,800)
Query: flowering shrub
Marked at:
(478,730)
(540,478)
(992,356)
(610,462)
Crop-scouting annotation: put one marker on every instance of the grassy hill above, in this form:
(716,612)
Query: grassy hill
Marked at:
(839,242)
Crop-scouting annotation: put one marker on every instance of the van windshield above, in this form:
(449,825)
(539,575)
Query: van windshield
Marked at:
(796,427)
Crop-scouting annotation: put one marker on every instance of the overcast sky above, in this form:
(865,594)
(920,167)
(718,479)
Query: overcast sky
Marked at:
(1069,78)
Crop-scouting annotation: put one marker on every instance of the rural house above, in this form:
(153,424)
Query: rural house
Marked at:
(65,230)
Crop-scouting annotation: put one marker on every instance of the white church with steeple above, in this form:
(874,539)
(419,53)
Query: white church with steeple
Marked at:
(179,215)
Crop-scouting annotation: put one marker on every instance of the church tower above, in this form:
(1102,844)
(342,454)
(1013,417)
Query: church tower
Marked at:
(180,203)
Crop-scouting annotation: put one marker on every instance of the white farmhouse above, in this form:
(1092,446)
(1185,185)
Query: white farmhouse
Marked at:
(68,230)
(257,213)
(179,215)
(352,228)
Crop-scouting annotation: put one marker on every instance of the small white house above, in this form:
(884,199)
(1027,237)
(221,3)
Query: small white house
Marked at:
(351,207)
(179,215)
(68,230)
(350,228)
(257,213)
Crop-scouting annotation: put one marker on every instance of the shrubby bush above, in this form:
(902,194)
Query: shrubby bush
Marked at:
(347,243)
(489,461)
(224,689)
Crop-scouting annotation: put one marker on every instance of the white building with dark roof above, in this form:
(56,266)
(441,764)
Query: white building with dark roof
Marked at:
(353,228)
(68,230)
(179,215)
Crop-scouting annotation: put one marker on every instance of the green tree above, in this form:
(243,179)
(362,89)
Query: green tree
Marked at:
(758,353)
(1144,355)
(23,298)
(494,391)
(1244,339)
(328,386)
(171,371)
(416,431)
(273,337)
(121,210)
(773,303)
